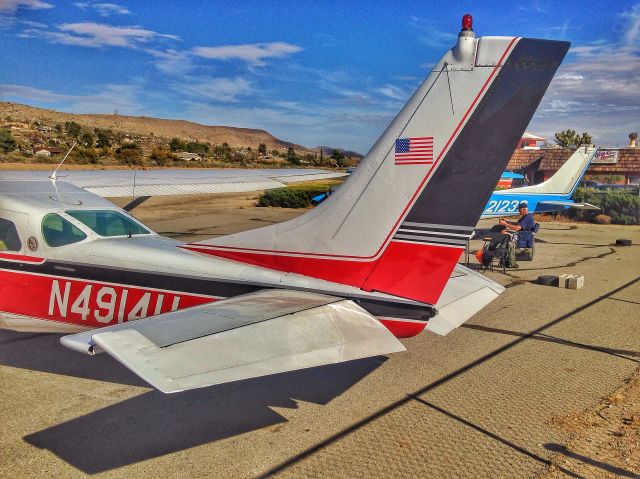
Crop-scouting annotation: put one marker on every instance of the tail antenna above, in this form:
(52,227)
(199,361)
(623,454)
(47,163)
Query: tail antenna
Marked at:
(54,175)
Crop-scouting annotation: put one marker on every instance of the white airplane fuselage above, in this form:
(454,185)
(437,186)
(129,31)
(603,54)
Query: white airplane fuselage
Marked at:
(101,281)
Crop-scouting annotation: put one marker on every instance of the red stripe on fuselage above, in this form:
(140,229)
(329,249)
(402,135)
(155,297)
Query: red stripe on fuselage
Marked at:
(20,258)
(86,303)
(36,296)
(422,278)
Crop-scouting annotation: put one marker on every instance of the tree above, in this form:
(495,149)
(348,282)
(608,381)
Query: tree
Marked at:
(568,138)
(103,139)
(262,149)
(7,142)
(195,147)
(176,144)
(72,128)
(86,139)
(292,157)
(339,158)
(222,152)
(585,139)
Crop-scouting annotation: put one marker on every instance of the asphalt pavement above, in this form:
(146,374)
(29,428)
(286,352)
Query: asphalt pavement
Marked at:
(479,402)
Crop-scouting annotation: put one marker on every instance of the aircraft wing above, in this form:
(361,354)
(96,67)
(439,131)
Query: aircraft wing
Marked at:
(257,334)
(546,204)
(466,293)
(188,181)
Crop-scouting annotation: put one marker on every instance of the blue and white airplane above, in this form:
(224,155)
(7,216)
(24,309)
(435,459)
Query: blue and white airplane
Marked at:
(551,195)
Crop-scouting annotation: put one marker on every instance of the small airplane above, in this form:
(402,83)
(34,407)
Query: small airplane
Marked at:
(376,261)
(553,194)
(508,179)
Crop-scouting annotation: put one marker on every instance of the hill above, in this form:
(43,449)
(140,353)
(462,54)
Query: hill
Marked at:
(143,126)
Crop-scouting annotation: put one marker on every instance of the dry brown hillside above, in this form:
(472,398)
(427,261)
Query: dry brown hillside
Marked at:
(146,126)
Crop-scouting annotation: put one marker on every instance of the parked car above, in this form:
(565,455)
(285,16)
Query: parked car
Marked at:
(590,184)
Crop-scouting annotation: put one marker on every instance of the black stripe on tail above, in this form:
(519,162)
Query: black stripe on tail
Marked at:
(470,170)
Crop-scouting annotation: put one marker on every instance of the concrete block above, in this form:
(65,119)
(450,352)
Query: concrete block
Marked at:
(575,282)
(562,280)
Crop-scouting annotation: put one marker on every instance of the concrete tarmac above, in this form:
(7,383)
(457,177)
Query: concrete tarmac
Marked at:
(480,402)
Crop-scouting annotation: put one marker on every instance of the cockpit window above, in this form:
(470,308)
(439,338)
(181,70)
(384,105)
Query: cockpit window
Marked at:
(9,239)
(108,222)
(59,232)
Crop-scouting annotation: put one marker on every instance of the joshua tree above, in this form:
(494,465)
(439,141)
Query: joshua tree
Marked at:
(569,138)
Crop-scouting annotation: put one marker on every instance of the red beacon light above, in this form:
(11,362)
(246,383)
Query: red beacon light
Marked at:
(467,23)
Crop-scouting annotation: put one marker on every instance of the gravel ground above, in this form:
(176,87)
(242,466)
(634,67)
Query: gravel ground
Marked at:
(491,399)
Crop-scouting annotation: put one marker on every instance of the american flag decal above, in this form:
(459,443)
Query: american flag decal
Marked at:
(414,151)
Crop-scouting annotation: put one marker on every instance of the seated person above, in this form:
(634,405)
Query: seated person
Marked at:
(525,223)
(524,227)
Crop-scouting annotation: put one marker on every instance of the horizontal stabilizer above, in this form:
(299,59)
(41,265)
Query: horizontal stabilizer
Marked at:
(261,333)
(548,204)
(466,293)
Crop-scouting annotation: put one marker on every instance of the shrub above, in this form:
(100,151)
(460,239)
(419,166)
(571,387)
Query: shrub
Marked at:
(72,128)
(130,154)
(622,207)
(162,157)
(602,219)
(83,156)
(290,197)
(7,142)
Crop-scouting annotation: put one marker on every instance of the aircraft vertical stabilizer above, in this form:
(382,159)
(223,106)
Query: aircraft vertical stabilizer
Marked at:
(566,179)
(400,222)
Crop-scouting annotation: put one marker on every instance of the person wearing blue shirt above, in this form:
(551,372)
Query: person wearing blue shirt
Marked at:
(525,223)
(524,227)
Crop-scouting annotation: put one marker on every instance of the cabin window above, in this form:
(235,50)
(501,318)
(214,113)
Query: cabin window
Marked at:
(59,232)
(108,222)
(9,239)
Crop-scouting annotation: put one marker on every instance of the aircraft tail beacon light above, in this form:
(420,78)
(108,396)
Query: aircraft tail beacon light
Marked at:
(465,48)
(467,22)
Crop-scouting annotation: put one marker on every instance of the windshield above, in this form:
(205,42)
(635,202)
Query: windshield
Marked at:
(108,222)
(59,232)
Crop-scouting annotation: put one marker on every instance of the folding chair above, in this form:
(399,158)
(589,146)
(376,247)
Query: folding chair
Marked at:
(495,251)
(527,241)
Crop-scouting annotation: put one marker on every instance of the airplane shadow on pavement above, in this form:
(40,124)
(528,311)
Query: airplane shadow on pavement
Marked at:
(43,352)
(154,424)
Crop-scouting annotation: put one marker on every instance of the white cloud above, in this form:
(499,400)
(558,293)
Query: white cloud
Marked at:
(216,89)
(429,35)
(536,7)
(253,53)
(97,35)
(347,95)
(632,34)
(29,93)
(107,98)
(172,62)
(104,9)
(392,92)
(11,6)
(595,91)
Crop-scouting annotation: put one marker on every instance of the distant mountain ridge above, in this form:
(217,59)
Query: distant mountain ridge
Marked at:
(328,150)
(149,126)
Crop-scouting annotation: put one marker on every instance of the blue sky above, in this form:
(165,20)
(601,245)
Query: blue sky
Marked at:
(315,73)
